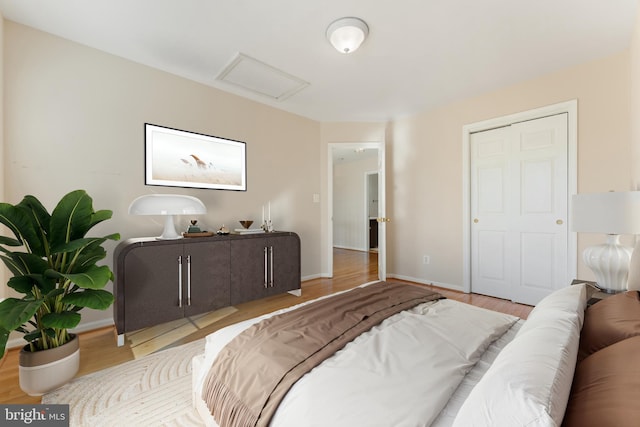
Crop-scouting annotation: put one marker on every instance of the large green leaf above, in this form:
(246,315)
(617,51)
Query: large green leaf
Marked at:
(82,244)
(22,284)
(65,320)
(89,257)
(99,216)
(29,263)
(22,263)
(40,219)
(97,299)
(71,218)
(15,312)
(93,278)
(37,210)
(23,228)
(14,266)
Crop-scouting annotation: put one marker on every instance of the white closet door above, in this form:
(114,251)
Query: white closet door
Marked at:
(490,153)
(519,208)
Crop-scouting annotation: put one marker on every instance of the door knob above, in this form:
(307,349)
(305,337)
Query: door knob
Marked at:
(476,220)
(559,222)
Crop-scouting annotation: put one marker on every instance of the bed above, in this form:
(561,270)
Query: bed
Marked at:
(446,363)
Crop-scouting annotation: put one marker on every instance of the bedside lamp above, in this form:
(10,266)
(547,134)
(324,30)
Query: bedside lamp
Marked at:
(611,213)
(167,205)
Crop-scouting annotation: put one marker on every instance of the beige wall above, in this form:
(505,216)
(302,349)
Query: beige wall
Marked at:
(635,104)
(424,160)
(74,119)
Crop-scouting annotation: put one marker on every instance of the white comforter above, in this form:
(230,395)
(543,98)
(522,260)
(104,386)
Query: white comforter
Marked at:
(400,373)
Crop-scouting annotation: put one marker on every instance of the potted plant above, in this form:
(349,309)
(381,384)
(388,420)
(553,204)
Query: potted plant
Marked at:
(54,267)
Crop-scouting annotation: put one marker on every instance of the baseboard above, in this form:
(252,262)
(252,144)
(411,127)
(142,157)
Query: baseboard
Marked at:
(83,327)
(90,326)
(459,288)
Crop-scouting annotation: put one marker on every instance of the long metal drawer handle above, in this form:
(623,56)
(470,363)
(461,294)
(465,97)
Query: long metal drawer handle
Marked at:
(265,268)
(188,279)
(180,281)
(271,266)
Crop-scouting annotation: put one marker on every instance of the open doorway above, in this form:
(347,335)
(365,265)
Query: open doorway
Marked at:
(354,203)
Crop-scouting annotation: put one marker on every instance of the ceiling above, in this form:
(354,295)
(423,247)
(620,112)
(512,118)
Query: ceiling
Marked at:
(419,54)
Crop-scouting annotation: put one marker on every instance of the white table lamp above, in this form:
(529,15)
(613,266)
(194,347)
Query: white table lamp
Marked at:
(167,205)
(613,214)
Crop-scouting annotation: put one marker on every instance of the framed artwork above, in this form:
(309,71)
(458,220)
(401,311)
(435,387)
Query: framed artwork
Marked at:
(178,158)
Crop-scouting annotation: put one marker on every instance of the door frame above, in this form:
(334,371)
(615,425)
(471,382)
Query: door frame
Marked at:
(569,107)
(382,242)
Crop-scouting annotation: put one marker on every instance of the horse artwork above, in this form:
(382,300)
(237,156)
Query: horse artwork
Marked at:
(177,158)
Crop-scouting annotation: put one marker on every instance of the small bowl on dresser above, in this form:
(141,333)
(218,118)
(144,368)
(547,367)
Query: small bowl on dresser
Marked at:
(246,223)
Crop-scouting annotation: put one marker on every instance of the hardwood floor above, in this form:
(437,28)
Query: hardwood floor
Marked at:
(98,348)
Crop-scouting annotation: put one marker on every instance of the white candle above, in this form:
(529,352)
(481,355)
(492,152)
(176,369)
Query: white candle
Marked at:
(263,214)
(269,217)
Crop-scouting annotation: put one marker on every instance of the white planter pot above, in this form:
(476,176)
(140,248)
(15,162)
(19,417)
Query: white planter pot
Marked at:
(46,370)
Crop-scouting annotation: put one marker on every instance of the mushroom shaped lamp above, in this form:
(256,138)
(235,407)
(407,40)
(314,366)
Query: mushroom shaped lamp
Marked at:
(167,205)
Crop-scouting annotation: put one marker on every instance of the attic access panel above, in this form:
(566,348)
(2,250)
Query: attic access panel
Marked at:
(253,75)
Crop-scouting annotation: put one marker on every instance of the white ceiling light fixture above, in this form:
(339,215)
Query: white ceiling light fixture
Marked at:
(347,34)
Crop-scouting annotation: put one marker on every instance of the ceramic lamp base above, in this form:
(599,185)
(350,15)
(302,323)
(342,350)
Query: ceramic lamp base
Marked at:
(610,264)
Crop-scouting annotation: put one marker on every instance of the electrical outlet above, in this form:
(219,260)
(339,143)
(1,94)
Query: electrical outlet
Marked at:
(426,259)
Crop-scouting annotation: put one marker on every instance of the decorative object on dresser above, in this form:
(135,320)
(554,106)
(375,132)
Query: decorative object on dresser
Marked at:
(267,225)
(194,228)
(162,280)
(611,213)
(56,270)
(195,231)
(246,223)
(167,205)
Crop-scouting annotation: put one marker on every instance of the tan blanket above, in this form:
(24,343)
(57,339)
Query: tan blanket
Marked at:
(256,369)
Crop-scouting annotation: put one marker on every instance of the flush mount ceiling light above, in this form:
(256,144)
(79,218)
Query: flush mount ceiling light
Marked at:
(347,34)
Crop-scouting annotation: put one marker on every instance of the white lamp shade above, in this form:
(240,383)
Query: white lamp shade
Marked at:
(607,213)
(347,34)
(167,204)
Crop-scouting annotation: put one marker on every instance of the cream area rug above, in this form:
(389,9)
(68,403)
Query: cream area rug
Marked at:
(154,390)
